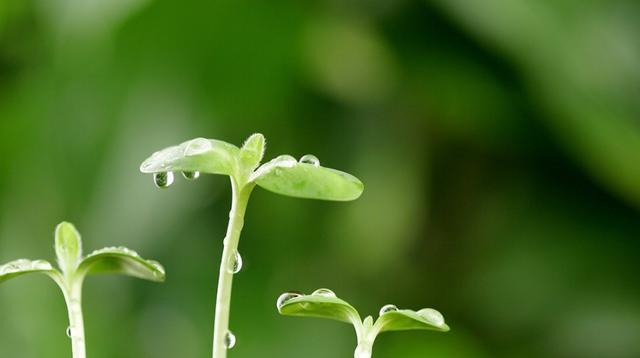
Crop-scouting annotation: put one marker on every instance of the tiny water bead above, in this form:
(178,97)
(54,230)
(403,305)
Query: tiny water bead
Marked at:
(163,180)
(69,332)
(229,340)
(387,309)
(432,316)
(286,297)
(310,159)
(236,263)
(191,175)
(324,292)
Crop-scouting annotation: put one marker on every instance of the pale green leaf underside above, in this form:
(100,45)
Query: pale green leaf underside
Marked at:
(200,154)
(23,266)
(122,261)
(304,180)
(404,320)
(320,307)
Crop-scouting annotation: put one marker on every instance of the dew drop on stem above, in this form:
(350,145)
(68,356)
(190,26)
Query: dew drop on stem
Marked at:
(69,332)
(236,263)
(286,297)
(387,309)
(310,159)
(229,340)
(163,180)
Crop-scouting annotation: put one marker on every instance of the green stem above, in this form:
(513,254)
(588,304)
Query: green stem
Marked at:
(225,280)
(73,298)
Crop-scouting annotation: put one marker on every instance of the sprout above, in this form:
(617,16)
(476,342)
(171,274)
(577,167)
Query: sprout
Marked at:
(74,268)
(323,303)
(282,175)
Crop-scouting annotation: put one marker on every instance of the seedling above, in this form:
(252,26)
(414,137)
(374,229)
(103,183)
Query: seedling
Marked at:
(73,269)
(283,175)
(323,303)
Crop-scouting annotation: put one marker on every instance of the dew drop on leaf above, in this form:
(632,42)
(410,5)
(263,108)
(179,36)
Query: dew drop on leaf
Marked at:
(310,159)
(286,297)
(191,175)
(387,309)
(324,292)
(236,263)
(68,331)
(229,340)
(432,316)
(163,180)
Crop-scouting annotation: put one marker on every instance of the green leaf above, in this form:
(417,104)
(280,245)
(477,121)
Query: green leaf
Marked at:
(68,246)
(284,175)
(123,261)
(321,304)
(252,151)
(196,155)
(403,320)
(23,266)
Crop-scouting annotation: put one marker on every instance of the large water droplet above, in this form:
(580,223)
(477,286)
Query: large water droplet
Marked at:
(229,340)
(236,263)
(197,146)
(286,297)
(387,309)
(285,161)
(432,316)
(324,292)
(191,175)
(69,332)
(310,159)
(163,180)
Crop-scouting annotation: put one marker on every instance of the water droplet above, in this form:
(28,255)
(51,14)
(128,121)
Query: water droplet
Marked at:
(310,159)
(286,297)
(163,180)
(236,263)
(284,161)
(191,175)
(229,340)
(41,265)
(69,332)
(324,292)
(432,316)
(387,309)
(197,146)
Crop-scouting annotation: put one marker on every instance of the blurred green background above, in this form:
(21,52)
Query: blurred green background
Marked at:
(499,142)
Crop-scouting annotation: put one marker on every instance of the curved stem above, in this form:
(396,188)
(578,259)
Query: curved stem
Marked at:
(225,280)
(73,298)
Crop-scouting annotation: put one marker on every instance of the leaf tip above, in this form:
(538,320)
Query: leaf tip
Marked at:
(68,245)
(252,150)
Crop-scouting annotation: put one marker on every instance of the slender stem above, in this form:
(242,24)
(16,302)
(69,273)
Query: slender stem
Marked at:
(225,280)
(73,298)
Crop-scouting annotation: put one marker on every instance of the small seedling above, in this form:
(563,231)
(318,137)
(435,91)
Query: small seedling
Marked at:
(73,269)
(323,303)
(283,175)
